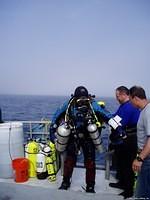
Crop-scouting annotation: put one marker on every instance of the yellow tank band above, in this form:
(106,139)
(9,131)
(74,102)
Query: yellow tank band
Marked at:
(98,124)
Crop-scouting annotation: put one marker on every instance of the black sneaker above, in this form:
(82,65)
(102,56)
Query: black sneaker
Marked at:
(64,185)
(126,194)
(116,185)
(90,189)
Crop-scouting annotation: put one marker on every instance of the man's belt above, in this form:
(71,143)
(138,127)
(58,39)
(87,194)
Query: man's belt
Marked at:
(131,130)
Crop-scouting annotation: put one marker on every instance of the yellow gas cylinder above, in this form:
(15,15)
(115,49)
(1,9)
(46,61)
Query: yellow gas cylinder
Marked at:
(31,151)
(50,169)
(53,155)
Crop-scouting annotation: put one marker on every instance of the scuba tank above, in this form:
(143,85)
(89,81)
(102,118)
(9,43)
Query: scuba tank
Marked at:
(31,150)
(95,136)
(41,161)
(53,155)
(50,168)
(62,136)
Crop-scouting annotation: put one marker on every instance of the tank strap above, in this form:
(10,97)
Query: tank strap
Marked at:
(98,123)
(67,111)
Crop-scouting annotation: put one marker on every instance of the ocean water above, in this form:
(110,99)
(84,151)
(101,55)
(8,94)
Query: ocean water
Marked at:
(28,107)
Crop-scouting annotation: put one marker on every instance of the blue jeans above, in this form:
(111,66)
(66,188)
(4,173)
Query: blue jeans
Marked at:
(143,181)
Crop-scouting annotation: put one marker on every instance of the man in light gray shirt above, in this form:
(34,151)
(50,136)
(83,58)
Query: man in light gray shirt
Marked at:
(142,162)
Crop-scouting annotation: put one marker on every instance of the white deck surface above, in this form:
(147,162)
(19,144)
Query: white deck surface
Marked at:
(35,189)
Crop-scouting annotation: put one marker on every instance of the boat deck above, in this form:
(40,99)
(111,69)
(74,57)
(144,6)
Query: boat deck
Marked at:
(35,189)
(43,189)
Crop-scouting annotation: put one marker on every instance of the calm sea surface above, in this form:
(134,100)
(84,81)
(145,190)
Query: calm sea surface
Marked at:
(28,107)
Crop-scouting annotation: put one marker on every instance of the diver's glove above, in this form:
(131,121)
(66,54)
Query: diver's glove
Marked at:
(118,135)
(52,130)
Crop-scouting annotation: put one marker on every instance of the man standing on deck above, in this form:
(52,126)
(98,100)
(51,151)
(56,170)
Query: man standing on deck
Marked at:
(125,151)
(79,129)
(142,162)
(1,121)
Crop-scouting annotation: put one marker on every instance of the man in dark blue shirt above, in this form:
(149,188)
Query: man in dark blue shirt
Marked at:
(126,152)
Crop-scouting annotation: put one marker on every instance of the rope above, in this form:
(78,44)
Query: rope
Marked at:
(9,144)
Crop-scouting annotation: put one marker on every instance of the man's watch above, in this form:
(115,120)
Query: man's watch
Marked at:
(139,159)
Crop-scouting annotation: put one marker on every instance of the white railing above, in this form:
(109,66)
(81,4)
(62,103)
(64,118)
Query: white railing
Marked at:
(38,128)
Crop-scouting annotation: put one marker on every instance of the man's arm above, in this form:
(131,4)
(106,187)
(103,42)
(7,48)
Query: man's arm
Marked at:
(137,163)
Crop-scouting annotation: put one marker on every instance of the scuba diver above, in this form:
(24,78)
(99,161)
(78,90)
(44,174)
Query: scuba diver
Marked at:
(74,126)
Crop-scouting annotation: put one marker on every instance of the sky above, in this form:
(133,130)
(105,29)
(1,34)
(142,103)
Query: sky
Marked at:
(49,47)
